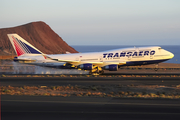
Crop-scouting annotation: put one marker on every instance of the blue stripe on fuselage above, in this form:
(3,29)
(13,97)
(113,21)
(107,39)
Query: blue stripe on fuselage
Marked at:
(134,63)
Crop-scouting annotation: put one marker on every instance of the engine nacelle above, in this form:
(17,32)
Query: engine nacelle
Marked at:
(87,66)
(111,67)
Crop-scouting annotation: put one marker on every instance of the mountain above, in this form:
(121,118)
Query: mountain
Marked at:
(39,34)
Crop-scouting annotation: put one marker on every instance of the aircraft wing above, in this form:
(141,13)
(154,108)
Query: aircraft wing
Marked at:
(92,62)
(69,61)
(115,62)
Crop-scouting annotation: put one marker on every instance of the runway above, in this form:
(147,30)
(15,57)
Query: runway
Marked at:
(41,107)
(77,108)
(54,81)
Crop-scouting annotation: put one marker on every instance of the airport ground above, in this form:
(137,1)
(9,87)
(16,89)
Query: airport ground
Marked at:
(77,108)
(83,80)
(73,107)
(93,107)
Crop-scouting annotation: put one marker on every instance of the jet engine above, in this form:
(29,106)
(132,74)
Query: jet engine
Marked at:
(87,66)
(111,67)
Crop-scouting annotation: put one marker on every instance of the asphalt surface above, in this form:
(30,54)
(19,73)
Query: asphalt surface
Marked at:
(77,108)
(90,108)
(54,81)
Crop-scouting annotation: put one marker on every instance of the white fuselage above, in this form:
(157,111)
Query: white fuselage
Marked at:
(131,56)
(127,55)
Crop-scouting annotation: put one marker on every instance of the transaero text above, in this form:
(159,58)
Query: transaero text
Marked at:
(128,54)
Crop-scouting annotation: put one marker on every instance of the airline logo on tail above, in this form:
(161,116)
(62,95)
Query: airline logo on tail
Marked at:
(21,46)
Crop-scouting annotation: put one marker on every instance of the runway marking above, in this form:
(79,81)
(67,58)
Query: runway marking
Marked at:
(101,102)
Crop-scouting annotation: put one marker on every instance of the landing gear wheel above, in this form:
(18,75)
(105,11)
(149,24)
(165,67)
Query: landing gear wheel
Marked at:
(156,67)
(96,71)
(101,72)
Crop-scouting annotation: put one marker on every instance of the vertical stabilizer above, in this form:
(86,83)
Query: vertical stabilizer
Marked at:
(21,46)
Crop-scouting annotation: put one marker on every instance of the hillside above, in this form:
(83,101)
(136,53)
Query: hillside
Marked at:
(39,34)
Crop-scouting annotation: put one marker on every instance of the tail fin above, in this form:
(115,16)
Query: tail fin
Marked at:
(21,46)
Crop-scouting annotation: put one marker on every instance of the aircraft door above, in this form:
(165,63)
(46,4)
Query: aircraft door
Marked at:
(129,55)
(101,59)
(77,59)
(152,54)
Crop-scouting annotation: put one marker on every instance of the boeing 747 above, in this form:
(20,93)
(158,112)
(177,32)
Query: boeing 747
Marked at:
(95,62)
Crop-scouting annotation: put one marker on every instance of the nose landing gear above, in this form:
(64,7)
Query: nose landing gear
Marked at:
(156,67)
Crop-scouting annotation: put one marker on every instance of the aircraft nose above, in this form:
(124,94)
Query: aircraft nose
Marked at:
(171,55)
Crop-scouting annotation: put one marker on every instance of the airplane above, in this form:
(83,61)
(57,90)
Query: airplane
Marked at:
(95,62)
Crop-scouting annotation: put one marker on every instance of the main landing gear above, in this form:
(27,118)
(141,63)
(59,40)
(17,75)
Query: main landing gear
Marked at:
(96,71)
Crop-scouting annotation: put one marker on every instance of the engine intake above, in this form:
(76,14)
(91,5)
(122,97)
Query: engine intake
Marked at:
(111,67)
(87,66)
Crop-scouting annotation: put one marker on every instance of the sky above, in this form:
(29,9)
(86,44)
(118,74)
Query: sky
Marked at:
(100,22)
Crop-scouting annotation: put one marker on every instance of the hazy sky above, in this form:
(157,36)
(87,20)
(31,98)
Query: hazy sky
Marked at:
(100,22)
